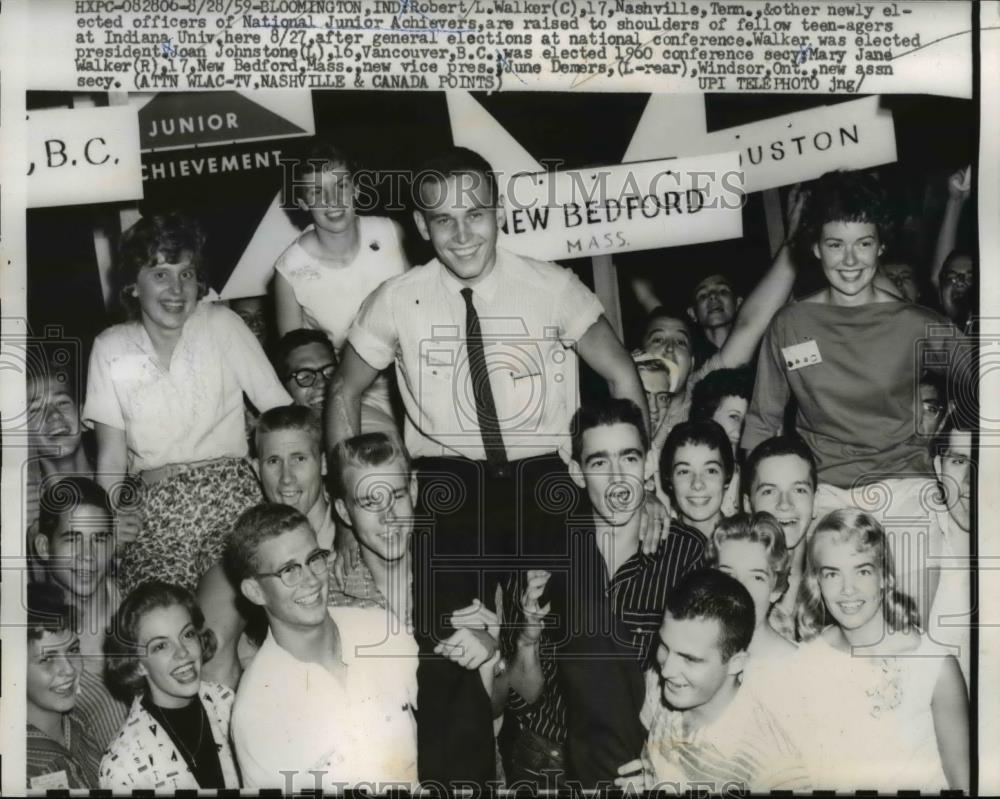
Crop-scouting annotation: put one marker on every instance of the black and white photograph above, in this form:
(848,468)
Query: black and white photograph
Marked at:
(466,441)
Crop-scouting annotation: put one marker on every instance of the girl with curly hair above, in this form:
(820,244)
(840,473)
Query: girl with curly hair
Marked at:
(176,736)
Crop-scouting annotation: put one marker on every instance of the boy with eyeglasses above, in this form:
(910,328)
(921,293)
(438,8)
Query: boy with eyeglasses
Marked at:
(305,361)
(327,701)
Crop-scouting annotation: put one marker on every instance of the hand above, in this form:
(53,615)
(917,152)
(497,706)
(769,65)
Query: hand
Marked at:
(346,553)
(469,648)
(476,617)
(127,526)
(632,777)
(654,524)
(960,184)
(534,615)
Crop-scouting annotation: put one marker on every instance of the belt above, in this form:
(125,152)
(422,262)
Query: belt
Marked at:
(161,473)
(500,472)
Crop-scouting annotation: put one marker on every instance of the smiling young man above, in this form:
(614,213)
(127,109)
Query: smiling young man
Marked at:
(344,712)
(483,343)
(706,730)
(305,361)
(780,478)
(373,492)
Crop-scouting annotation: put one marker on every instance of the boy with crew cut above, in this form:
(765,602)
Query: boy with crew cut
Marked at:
(59,752)
(706,729)
(343,714)
(373,491)
(488,418)
(290,463)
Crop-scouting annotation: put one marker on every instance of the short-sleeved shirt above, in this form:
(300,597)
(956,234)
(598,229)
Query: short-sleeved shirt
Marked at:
(856,402)
(191,411)
(531,312)
(296,716)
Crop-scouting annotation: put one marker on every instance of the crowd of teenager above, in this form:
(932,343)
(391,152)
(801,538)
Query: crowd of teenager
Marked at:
(358,533)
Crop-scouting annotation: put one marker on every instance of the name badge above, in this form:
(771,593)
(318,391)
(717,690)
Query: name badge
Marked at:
(54,780)
(801,355)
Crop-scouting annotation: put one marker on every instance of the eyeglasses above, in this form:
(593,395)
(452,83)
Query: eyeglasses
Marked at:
(932,407)
(291,575)
(306,377)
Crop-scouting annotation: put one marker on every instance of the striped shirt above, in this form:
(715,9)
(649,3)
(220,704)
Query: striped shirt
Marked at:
(69,763)
(101,713)
(744,750)
(594,654)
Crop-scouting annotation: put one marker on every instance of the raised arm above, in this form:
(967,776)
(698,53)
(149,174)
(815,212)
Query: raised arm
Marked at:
(767,297)
(604,353)
(342,410)
(643,289)
(959,187)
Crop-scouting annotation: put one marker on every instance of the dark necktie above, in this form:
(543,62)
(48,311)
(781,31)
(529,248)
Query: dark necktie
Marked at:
(486,409)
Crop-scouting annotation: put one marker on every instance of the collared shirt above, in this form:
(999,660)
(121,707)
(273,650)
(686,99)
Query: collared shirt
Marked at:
(69,763)
(192,410)
(746,749)
(144,756)
(530,313)
(360,591)
(293,717)
(603,643)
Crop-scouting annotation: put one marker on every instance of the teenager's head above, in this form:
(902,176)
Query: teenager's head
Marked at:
(846,223)
(373,491)
(254,311)
(75,539)
(723,396)
(714,303)
(780,477)
(609,444)
(658,376)
(957,291)
(849,578)
(324,188)
(305,361)
(53,407)
(273,556)
(706,631)
(459,212)
(933,402)
(290,456)
(159,270)
(752,549)
(157,644)
(54,666)
(904,276)
(951,454)
(696,465)
(670,337)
